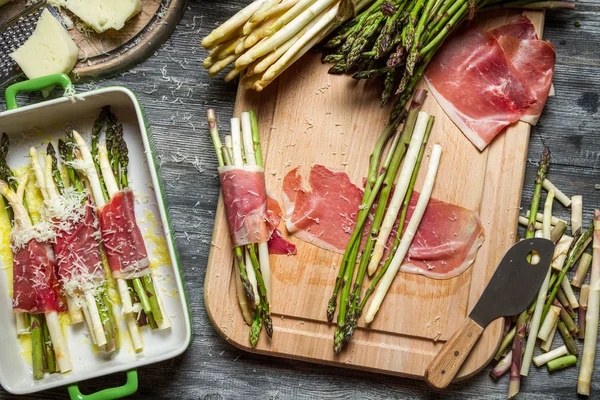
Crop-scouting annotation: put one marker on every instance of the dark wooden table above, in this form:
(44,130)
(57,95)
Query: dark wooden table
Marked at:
(175,92)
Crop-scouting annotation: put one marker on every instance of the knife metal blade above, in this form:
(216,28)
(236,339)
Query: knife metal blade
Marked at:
(515,282)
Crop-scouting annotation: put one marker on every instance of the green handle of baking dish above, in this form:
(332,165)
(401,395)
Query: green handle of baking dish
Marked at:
(32,85)
(129,388)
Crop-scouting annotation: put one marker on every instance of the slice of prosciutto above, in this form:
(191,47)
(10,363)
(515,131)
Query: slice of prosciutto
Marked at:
(252,213)
(35,287)
(324,215)
(444,246)
(245,199)
(125,248)
(277,243)
(476,84)
(77,253)
(446,242)
(533,58)
(521,29)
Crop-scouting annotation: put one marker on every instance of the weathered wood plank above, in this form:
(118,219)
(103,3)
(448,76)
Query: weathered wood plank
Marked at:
(213,369)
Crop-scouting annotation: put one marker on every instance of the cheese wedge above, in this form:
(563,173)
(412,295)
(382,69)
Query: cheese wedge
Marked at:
(49,50)
(102,15)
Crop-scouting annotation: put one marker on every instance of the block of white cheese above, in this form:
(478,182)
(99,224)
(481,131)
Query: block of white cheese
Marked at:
(102,15)
(49,49)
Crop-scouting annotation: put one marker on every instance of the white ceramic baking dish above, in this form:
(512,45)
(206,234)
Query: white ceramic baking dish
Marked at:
(35,125)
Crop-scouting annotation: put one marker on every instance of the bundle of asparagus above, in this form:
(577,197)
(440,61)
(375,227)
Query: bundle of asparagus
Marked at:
(241,158)
(268,36)
(408,145)
(105,168)
(79,263)
(35,297)
(396,39)
(554,307)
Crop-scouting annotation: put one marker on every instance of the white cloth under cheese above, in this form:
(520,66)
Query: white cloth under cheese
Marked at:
(49,50)
(102,15)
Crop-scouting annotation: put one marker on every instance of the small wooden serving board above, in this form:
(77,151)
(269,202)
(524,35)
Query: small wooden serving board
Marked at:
(308,116)
(105,54)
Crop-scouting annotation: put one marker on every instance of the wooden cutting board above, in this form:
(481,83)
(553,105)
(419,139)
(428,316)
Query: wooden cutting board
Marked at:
(308,116)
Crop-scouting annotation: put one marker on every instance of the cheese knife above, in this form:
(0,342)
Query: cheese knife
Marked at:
(512,288)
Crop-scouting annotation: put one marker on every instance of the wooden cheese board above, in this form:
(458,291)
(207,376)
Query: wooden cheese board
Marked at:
(308,116)
(105,54)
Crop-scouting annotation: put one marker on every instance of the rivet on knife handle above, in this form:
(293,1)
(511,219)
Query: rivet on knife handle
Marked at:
(444,367)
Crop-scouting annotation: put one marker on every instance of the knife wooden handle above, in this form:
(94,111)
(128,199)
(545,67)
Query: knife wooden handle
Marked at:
(445,365)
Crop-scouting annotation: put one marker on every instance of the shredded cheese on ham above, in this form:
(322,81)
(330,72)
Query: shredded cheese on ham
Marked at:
(122,238)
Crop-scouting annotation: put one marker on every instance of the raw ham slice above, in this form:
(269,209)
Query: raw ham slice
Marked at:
(475,83)
(78,254)
(444,246)
(35,288)
(245,199)
(277,243)
(533,58)
(521,29)
(122,238)
(324,216)
(446,242)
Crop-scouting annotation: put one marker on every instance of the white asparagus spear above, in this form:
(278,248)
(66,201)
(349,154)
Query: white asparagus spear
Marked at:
(61,350)
(549,321)
(165,323)
(560,252)
(222,64)
(38,172)
(568,290)
(318,24)
(236,142)
(540,218)
(292,13)
(89,170)
(541,297)
(97,326)
(582,270)
(22,327)
(312,38)
(88,322)
(22,186)
(395,202)
(591,320)
(280,8)
(547,344)
(525,221)
(584,296)
(229,27)
(271,58)
(576,214)
(551,355)
(560,196)
(134,332)
(411,229)
(263,248)
(281,36)
(230,49)
(257,35)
